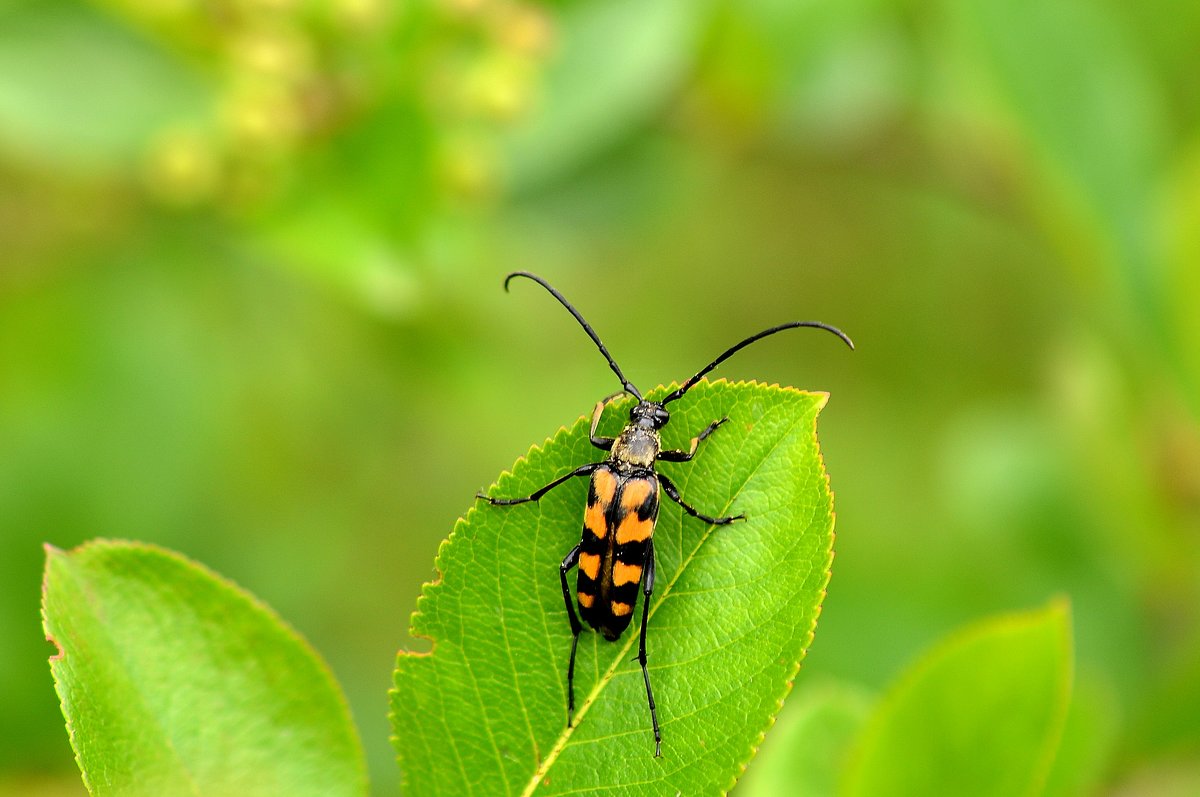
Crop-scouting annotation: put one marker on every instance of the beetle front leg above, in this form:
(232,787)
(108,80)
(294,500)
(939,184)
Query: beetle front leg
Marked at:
(603,443)
(673,493)
(676,455)
(582,470)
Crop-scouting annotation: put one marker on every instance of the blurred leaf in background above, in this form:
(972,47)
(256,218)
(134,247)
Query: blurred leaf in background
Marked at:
(982,712)
(250,255)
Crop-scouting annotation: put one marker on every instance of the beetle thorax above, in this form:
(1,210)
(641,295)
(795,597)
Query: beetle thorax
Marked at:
(636,445)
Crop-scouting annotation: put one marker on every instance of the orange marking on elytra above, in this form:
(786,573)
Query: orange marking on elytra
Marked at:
(589,564)
(626,574)
(606,485)
(634,529)
(621,609)
(636,493)
(586,600)
(595,521)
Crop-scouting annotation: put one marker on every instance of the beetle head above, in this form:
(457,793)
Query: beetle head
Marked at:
(649,415)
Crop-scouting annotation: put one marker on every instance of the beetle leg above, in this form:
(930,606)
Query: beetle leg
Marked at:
(605,443)
(675,455)
(647,591)
(568,562)
(673,493)
(582,470)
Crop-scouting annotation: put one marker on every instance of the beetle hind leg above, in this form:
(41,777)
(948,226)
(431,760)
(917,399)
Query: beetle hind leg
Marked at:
(647,591)
(568,562)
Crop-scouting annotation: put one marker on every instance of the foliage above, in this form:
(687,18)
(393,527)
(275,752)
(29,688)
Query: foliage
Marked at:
(924,736)
(174,681)
(810,745)
(980,713)
(732,615)
(250,255)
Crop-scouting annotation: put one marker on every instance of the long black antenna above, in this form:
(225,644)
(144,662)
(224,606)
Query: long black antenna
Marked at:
(733,350)
(625,383)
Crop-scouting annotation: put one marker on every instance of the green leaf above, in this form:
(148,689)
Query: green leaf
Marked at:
(1089,737)
(733,612)
(806,752)
(981,714)
(174,681)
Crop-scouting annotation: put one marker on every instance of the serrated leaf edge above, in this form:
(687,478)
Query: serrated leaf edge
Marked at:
(564,430)
(552,439)
(603,680)
(812,630)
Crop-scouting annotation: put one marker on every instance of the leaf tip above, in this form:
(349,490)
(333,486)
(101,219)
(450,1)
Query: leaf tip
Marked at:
(52,553)
(1059,606)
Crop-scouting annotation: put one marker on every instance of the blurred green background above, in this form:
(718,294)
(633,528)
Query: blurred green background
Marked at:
(250,305)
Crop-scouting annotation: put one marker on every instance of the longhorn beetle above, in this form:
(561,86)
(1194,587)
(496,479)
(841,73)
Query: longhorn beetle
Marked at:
(616,552)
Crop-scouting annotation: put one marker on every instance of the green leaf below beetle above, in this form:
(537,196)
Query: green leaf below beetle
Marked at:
(733,612)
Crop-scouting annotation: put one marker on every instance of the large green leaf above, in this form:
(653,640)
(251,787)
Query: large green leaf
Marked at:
(981,714)
(174,681)
(733,613)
